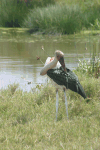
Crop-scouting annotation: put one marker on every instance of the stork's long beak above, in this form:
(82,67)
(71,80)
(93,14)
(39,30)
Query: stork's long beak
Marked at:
(62,62)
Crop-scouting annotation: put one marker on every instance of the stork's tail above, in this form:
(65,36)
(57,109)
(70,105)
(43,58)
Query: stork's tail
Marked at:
(81,91)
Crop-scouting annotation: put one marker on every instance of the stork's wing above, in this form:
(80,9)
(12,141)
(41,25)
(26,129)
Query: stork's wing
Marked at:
(68,79)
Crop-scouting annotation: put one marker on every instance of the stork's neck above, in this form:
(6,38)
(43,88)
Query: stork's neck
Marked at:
(53,63)
(50,65)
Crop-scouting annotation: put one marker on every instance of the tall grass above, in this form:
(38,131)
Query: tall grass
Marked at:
(61,19)
(64,19)
(12,12)
(27,120)
(91,13)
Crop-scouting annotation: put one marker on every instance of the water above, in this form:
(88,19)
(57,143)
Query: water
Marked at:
(18,51)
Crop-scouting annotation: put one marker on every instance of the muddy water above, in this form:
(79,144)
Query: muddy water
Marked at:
(18,51)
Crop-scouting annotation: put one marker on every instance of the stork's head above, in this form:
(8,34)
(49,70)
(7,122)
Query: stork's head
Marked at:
(60,56)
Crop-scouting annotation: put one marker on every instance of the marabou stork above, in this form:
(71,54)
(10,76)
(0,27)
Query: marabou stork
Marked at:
(62,77)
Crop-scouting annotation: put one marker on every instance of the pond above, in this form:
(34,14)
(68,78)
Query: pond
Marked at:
(18,51)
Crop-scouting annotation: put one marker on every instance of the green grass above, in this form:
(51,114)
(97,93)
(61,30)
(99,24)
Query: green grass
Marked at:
(27,120)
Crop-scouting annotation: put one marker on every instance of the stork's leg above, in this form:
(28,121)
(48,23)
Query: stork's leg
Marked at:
(57,103)
(66,102)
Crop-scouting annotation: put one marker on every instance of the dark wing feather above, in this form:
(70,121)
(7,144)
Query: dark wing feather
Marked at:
(68,79)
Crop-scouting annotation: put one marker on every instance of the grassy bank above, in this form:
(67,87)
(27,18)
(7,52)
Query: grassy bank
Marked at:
(27,120)
(51,17)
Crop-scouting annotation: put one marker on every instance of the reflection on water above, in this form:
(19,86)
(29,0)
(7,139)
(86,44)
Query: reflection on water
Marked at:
(18,52)
(13,71)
